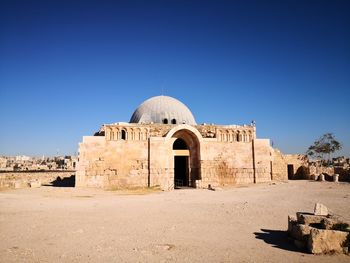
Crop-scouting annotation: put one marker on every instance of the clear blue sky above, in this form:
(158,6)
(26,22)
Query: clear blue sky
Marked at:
(67,67)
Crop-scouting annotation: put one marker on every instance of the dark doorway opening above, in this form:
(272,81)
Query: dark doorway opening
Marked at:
(123,135)
(290,168)
(181,171)
(180,144)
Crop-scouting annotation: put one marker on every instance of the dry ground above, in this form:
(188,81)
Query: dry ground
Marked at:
(242,224)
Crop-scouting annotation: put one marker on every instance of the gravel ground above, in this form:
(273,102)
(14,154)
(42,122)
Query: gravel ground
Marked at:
(241,224)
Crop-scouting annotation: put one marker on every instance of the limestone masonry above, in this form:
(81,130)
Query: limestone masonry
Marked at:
(162,146)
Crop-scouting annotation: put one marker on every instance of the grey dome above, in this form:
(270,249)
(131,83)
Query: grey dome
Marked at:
(163,109)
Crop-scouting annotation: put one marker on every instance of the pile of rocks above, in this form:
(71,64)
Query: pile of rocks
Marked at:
(319,232)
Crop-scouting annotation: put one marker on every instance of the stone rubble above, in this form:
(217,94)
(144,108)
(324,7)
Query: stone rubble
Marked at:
(320,232)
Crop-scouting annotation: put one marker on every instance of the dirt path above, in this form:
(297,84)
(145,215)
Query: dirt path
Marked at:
(243,224)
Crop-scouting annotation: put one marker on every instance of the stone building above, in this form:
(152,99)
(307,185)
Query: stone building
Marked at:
(163,146)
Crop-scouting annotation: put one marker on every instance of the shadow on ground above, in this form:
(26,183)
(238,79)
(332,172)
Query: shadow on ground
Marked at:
(276,238)
(65,182)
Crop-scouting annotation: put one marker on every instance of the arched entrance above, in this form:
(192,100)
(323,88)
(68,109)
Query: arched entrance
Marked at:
(181,163)
(186,151)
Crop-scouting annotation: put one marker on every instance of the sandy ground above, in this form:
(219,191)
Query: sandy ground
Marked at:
(242,224)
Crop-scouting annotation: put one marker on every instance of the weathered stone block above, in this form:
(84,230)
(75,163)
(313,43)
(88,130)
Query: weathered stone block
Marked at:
(34,184)
(292,220)
(320,210)
(328,223)
(326,241)
(308,218)
(300,232)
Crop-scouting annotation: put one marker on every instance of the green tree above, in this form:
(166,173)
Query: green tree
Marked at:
(324,146)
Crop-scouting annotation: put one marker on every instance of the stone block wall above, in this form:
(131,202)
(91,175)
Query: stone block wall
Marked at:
(263,160)
(112,164)
(127,157)
(161,163)
(233,163)
(11,180)
(320,169)
(279,166)
(300,165)
(226,163)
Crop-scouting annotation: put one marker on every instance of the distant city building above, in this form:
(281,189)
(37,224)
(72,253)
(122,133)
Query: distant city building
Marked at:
(3,162)
(26,163)
(22,158)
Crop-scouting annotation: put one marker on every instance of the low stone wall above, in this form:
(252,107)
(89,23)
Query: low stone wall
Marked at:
(321,170)
(23,179)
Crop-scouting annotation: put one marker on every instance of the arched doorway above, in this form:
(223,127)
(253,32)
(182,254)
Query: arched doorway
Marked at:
(186,149)
(181,164)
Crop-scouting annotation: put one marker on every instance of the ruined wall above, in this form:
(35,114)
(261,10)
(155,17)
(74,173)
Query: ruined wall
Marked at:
(22,179)
(280,166)
(316,170)
(300,165)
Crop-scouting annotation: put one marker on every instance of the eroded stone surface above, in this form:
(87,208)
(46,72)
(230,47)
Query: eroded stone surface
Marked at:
(320,210)
(292,220)
(320,232)
(300,232)
(328,223)
(309,219)
(326,241)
